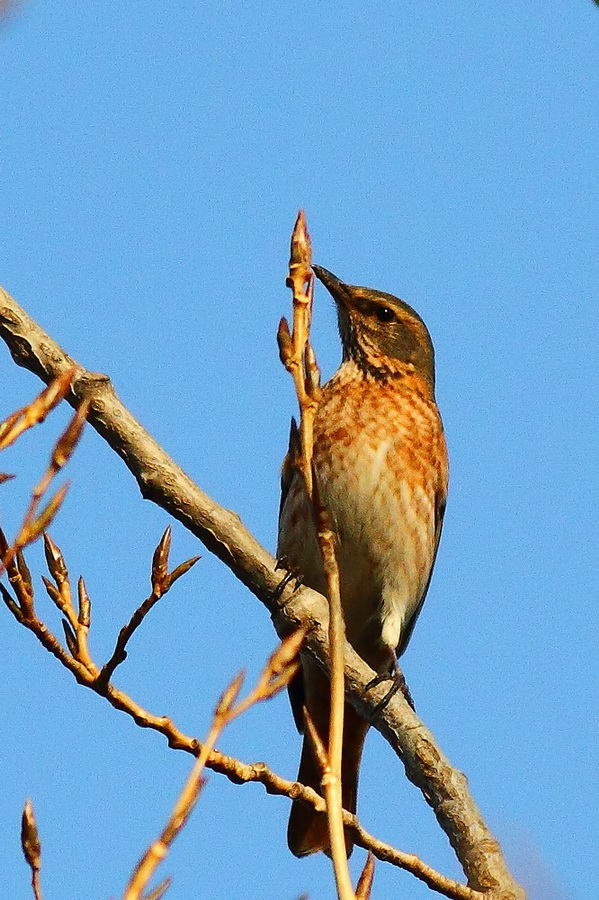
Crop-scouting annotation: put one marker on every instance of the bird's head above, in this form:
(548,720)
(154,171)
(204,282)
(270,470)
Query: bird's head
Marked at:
(379,332)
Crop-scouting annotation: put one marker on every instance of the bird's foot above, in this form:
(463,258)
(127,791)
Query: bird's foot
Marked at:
(291,574)
(398,683)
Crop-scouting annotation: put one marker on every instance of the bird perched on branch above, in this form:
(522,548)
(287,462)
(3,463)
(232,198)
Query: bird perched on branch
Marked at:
(380,462)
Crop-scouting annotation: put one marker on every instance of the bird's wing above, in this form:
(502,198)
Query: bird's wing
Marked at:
(288,469)
(440,501)
(295,687)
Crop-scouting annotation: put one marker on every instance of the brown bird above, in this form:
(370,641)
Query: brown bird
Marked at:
(381,464)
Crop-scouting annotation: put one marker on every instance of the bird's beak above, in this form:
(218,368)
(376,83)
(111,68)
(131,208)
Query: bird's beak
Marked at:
(339,291)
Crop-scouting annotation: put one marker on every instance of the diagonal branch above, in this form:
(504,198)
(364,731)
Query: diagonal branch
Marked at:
(166,484)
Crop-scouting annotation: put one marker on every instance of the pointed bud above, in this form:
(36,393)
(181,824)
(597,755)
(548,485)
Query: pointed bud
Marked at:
(285,342)
(160,562)
(46,516)
(70,639)
(230,695)
(30,840)
(180,570)
(84,604)
(364,886)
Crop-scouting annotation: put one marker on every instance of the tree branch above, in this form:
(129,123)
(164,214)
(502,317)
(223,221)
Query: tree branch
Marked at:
(166,484)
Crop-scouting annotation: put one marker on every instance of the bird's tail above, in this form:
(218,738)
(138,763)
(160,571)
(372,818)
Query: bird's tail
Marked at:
(308,830)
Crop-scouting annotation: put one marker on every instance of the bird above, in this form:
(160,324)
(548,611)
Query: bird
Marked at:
(380,464)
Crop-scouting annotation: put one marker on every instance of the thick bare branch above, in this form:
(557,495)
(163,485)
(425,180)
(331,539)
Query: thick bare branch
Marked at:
(165,483)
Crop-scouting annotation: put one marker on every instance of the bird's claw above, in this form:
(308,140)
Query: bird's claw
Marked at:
(398,684)
(291,574)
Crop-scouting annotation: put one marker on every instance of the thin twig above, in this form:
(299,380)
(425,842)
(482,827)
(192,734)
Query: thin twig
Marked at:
(162,581)
(77,621)
(301,358)
(298,358)
(36,411)
(34,522)
(278,672)
(332,779)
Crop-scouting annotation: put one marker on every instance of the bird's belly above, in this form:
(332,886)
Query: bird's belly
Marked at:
(384,521)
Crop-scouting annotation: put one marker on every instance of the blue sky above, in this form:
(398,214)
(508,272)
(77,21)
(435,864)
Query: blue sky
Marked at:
(152,162)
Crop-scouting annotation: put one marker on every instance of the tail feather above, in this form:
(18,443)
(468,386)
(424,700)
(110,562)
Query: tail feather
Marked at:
(308,830)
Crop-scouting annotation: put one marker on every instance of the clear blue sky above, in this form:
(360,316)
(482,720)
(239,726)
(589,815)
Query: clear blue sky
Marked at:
(153,158)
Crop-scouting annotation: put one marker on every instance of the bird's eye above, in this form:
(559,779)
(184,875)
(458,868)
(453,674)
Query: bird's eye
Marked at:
(384,314)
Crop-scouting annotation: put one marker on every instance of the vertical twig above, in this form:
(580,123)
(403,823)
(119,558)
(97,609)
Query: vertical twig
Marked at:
(332,778)
(298,358)
(296,354)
